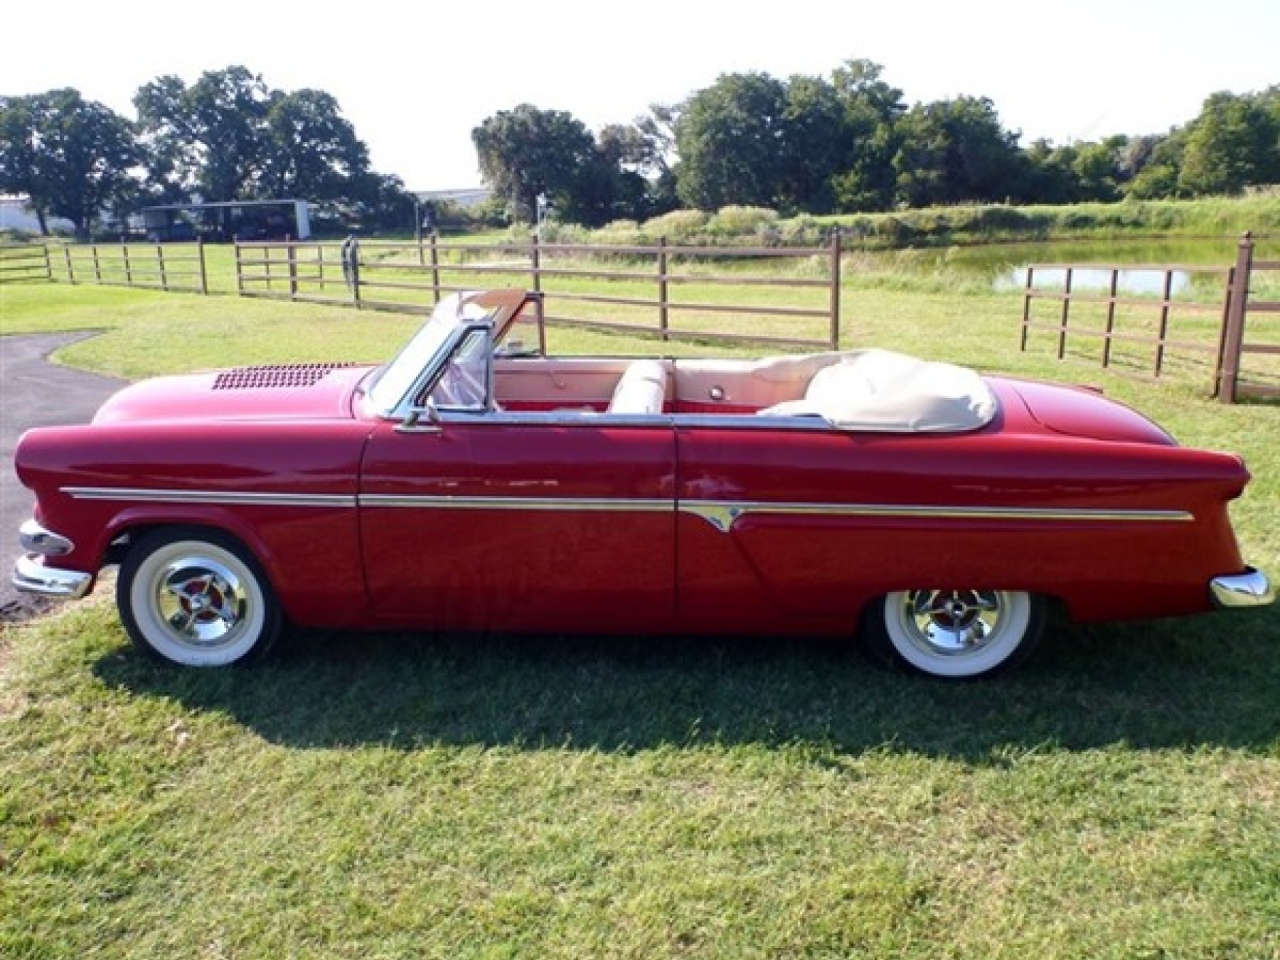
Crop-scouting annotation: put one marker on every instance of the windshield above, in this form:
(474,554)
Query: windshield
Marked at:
(399,377)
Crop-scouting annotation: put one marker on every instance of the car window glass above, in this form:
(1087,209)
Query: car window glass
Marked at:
(464,384)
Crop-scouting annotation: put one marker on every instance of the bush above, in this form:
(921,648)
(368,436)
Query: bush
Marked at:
(682,227)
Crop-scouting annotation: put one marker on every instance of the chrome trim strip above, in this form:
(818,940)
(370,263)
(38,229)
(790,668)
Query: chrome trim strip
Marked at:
(722,515)
(239,498)
(30,575)
(566,504)
(36,539)
(1248,589)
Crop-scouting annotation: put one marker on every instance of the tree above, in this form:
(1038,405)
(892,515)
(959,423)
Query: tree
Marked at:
(231,137)
(309,150)
(73,158)
(527,152)
(730,137)
(210,138)
(872,109)
(1156,162)
(646,148)
(1233,144)
(814,146)
(956,151)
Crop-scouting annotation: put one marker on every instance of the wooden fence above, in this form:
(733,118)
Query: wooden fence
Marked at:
(1190,317)
(670,292)
(24,261)
(172,267)
(1245,332)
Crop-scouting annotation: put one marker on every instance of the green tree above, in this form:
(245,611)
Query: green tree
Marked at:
(1156,163)
(1234,143)
(956,151)
(309,150)
(814,146)
(731,137)
(210,138)
(872,108)
(73,158)
(526,152)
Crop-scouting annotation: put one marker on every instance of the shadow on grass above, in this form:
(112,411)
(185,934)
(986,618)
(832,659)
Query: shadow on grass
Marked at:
(1198,683)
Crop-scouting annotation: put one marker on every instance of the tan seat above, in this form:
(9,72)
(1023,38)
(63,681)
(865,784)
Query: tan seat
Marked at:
(642,389)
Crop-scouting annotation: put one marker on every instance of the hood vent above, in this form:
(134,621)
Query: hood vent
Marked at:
(275,376)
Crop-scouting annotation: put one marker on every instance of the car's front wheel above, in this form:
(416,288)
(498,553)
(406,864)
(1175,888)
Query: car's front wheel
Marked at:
(197,598)
(955,634)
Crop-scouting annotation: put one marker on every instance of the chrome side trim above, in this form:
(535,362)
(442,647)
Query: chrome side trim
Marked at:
(35,538)
(30,575)
(722,515)
(565,504)
(240,498)
(1248,589)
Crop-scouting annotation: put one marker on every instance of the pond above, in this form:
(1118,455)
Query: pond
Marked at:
(1004,265)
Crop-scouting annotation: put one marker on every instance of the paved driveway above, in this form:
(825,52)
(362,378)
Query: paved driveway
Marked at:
(35,393)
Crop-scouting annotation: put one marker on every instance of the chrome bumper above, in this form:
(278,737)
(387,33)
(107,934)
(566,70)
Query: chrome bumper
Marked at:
(30,575)
(1248,589)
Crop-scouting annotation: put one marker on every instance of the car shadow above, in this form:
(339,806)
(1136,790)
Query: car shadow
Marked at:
(1202,682)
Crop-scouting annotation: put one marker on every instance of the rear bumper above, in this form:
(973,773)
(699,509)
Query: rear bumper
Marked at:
(1248,589)
(30,575)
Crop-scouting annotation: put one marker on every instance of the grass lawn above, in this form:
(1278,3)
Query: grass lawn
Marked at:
(406,796)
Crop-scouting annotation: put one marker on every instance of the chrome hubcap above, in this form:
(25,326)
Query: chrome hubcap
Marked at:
(200,602)
(952,622)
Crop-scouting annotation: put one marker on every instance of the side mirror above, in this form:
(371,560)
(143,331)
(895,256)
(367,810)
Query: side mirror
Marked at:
(424,419)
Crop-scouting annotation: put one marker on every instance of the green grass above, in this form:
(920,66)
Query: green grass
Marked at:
(387,796)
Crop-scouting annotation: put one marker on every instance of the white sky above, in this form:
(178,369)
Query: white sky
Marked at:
(415,78)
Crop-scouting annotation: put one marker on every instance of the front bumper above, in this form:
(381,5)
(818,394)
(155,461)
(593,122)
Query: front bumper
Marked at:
(30,575)
(1248,589)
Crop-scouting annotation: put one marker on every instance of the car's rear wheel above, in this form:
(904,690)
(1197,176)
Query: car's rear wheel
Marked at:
(956,634)
(197,598)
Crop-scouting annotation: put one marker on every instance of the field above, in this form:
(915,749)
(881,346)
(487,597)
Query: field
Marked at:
(500,797)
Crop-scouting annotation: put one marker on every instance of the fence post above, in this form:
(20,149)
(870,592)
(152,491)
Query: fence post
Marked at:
(164,276)
(835,289)
(48,263)
(664,315)
(1066,311)
(97,265)
(535,261)
(235,247)
(204,274)
(1027,293)
(71,273)
(128,267)
(1165,306)
(292,252)
(435,270)
(1233,333)
(1112,292)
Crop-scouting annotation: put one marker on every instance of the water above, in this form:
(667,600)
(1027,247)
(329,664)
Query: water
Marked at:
(1138,280)
(1200,262)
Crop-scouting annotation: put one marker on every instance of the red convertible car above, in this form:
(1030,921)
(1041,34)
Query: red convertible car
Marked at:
(471,485)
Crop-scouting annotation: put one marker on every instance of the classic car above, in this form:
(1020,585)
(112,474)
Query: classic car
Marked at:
(476,484)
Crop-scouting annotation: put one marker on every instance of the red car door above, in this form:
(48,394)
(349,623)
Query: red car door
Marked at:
(521,522)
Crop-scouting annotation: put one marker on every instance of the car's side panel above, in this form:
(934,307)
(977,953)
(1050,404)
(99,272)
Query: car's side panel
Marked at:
(530,526)
(287,491)
(825,521)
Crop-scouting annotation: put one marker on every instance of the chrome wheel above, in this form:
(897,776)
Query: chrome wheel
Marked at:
(958,633)
(195,600)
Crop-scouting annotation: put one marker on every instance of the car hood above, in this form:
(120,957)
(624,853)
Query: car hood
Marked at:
(303,391)
(1080,412)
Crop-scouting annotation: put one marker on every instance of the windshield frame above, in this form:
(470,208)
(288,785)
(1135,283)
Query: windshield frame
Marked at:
(401,386)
